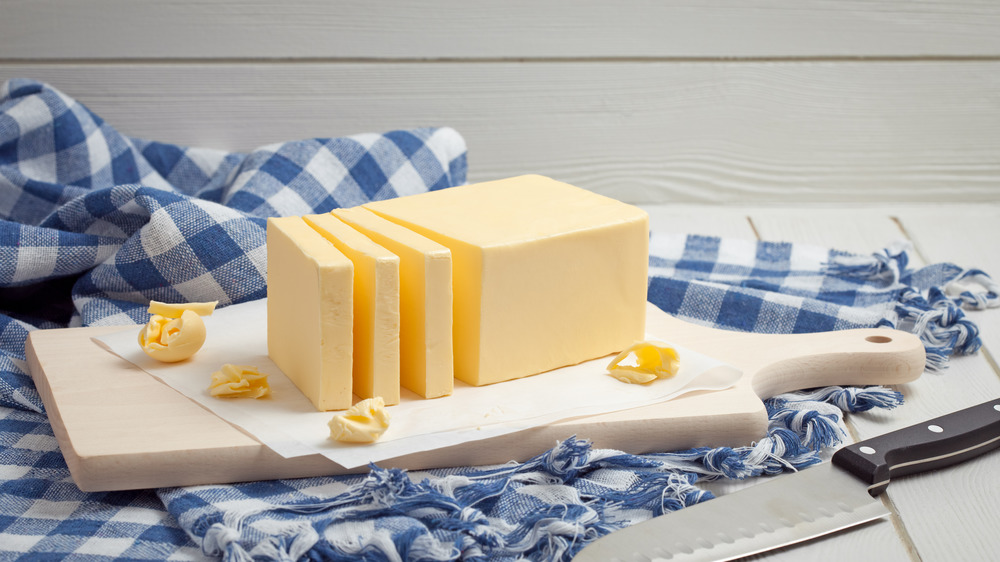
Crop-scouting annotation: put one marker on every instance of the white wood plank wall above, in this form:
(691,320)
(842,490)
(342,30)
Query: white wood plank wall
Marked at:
(723,101)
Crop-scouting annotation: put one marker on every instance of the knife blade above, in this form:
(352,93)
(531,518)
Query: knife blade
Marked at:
(815,501)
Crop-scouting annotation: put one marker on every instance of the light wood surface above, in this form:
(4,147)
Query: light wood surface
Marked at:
(317,29)
(120,429)
(649,102)
(726,132)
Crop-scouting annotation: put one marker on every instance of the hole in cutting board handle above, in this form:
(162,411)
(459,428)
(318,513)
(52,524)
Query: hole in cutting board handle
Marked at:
(878,339)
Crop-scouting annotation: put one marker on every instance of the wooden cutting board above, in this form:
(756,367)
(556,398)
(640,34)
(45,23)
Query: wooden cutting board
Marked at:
(119,428)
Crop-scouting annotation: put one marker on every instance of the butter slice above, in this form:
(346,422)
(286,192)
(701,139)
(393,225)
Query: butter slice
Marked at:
(545,274)
(376,308)
(174,310)
(425,344)
(310,314)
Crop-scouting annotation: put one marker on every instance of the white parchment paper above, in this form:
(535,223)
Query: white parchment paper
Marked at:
(288,423)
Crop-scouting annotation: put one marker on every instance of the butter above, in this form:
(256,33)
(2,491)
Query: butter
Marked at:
(364,422)
(544,274)
(644,362)
(172,339)
(174,310)
(425,317)
(310,312)
(376,308)
(239,381)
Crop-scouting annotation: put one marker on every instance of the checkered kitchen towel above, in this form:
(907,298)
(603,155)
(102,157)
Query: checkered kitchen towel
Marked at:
(93,224)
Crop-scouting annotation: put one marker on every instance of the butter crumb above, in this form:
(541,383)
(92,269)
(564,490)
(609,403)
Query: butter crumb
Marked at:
(644,362)
(239,381)
(363,422)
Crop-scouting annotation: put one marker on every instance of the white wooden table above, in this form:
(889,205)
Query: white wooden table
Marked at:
(951,514)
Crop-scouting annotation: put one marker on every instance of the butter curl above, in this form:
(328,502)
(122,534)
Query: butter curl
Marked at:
(644,362)
(239,381)
(363,422)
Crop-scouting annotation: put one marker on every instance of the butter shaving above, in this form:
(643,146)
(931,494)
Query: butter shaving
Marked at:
(363,422)
(644,362)
(239,381)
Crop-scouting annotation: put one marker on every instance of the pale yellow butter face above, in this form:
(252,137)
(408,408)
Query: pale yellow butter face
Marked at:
(310,312)
(364,422)
(545,274)
(376,308)
(239,381)
(645,362)
(173,339)
(425,317)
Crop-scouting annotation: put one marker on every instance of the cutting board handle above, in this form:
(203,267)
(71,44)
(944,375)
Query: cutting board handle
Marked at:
(847,357)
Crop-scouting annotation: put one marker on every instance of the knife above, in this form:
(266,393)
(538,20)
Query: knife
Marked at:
(821,499)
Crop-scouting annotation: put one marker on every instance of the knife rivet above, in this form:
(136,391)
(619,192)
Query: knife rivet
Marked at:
(997,407)
(867,450)
(935,428)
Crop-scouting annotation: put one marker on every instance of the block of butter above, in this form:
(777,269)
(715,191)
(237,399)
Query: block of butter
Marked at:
(545,274)
(376,308)
(425,345)
(310,314)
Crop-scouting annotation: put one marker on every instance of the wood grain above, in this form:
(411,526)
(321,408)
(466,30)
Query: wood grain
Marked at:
(122,29)
(119,428)
(642,132)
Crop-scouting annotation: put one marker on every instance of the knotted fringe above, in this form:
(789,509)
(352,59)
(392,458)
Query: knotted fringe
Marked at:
(388,516)
(801,425)
(886,266)
(937,319)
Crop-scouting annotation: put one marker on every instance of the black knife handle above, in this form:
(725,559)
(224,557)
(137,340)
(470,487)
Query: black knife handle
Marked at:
(936,443)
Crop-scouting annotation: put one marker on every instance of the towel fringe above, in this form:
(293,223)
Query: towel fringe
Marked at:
(937,318)
(801,425)
(886,266)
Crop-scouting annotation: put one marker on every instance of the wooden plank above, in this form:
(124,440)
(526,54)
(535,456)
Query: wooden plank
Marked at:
(965,528)
(964,499)
(863,230)
(121,29)
(645,132)
(726,222)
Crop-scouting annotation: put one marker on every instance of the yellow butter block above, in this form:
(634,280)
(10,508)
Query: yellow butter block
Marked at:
(310,312)
(545,274)
(425,330)
(376,308)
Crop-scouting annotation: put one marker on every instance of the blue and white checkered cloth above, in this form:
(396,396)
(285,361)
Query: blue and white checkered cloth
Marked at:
(94,224)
